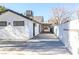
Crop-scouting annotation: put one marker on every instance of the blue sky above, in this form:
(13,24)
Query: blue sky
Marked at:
(40,9)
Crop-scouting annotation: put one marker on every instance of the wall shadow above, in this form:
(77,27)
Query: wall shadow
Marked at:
(47,47)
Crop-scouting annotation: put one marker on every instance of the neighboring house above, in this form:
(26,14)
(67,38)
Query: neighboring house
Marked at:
(53,21)
(17,22)
(38,18)
(53,26)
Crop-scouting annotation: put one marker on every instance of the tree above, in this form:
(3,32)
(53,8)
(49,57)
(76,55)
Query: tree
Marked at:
(2,9)
(61,15)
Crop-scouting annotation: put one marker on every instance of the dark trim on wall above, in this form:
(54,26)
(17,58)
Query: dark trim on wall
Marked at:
(33,29)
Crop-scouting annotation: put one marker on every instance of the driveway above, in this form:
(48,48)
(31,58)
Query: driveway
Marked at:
(45,36)
(35,47)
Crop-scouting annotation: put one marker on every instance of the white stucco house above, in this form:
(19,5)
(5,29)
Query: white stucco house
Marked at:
(17,27)
(40,19)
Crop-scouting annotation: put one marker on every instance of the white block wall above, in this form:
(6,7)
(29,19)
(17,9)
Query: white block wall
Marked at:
(70,38)
(56,30)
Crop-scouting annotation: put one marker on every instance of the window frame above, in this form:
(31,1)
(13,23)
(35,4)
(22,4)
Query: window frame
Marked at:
(3,22)
(14,23)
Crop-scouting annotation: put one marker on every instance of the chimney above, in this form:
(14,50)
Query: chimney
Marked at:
(29,13)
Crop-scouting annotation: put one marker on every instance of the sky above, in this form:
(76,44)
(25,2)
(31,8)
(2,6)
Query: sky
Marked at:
(40,9)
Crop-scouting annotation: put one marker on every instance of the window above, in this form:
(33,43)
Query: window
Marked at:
(3,23)
(18,23)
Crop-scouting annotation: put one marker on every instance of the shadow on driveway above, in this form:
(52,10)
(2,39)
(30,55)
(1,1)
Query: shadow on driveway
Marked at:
(41,47)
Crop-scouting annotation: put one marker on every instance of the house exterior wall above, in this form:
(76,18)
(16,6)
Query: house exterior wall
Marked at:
(36,29)
(69,35)
(39,19)
(40,28)
(26,29)
(30,27)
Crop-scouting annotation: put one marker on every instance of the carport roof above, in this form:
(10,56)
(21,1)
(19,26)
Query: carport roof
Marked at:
(45,23)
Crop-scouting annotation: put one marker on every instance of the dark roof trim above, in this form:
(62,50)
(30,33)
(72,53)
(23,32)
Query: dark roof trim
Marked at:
(21,15)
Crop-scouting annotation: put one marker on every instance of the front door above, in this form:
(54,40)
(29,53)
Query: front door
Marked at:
(33,29)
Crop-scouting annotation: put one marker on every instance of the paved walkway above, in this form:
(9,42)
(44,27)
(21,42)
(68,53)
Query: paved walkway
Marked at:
(46,36)
(34,47)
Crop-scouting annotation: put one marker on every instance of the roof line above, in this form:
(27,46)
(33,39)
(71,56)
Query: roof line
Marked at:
(21,15)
